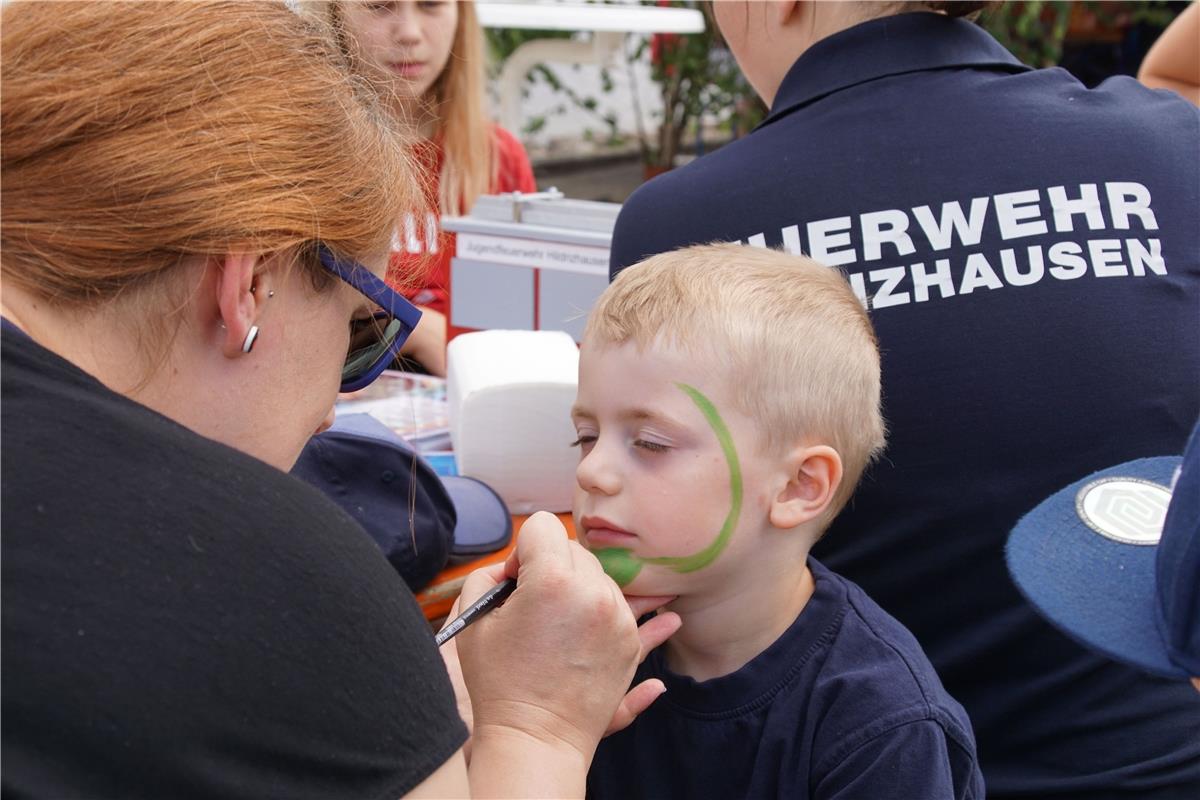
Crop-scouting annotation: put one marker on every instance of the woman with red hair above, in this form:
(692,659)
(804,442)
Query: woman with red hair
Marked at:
(196,214)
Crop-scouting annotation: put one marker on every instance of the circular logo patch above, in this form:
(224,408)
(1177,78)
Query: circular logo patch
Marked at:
(1126,510)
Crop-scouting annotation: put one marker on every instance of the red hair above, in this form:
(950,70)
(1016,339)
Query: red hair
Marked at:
(136,134)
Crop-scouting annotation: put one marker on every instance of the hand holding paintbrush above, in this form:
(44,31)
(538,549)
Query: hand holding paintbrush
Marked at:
(563,629)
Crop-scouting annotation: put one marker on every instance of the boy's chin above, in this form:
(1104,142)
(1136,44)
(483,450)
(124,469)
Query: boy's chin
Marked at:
(646,586)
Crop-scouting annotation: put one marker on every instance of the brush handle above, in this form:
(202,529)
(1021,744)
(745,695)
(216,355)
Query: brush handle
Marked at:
(490,599)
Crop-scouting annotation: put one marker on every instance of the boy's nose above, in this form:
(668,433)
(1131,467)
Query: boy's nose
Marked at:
(596,474)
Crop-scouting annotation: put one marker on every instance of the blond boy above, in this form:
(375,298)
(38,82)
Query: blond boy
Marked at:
(728,403)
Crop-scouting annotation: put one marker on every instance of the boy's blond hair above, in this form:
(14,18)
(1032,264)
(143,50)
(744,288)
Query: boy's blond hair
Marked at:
(797,346)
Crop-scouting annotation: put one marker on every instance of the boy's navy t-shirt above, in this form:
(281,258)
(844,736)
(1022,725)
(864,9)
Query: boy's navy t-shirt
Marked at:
(843,705)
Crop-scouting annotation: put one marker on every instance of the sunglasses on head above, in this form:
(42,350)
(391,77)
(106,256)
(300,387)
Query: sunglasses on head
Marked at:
(375,341)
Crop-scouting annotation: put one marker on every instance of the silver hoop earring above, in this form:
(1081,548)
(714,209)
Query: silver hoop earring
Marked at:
(251,337)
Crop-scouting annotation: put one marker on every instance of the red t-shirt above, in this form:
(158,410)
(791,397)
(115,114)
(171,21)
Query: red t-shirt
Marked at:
(422,248)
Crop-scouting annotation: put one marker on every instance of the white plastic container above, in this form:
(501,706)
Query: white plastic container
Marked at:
(509,396)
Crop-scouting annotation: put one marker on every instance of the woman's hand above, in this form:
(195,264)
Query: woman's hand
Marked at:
(462,697)
(651,634)
(551,667)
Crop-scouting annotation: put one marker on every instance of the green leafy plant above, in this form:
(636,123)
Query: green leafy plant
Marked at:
(1034,30)
(698,79)
(501,44)
(696,76)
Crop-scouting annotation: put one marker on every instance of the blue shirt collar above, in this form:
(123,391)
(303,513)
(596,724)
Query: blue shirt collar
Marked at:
(890,45)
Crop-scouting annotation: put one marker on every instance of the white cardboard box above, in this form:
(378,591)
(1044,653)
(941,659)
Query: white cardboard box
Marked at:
(509,396)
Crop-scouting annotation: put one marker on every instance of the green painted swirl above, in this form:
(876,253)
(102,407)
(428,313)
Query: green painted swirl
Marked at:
(623,566)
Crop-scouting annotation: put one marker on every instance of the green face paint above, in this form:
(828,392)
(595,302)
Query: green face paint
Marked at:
(620,564)
(623,566)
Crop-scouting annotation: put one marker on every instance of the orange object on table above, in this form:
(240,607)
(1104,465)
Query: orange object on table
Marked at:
(437,598)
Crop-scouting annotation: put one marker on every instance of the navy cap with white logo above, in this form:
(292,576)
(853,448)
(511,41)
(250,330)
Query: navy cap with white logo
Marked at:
(1114,561)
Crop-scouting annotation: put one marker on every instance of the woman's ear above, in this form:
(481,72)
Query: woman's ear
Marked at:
(786,11)
(237,299)
(814,474)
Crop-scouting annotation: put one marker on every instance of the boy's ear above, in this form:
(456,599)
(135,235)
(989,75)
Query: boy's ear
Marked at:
(814,474)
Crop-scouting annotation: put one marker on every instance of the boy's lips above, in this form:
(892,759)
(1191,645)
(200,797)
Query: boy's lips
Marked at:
(599,532)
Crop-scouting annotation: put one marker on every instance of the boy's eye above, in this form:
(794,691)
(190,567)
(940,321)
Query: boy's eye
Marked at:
(586,440)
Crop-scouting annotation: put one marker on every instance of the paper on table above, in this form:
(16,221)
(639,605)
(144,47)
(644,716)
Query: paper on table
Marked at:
(412,405)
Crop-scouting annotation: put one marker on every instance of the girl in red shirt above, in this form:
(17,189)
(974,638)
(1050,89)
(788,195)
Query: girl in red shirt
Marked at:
(427,61)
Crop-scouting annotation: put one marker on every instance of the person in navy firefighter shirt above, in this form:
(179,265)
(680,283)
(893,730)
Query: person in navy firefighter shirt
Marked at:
(1029,252)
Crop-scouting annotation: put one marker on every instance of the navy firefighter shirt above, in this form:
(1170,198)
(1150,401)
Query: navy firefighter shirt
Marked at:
(844,705)
(1029,252)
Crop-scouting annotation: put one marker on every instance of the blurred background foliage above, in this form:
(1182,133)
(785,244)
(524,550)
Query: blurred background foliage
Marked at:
(698,80)
(1045,33)
(695,75)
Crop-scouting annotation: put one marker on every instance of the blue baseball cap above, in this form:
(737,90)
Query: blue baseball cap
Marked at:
(1113,560)
(419,519)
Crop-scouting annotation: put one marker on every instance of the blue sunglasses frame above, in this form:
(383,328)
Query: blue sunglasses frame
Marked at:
(394,307)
